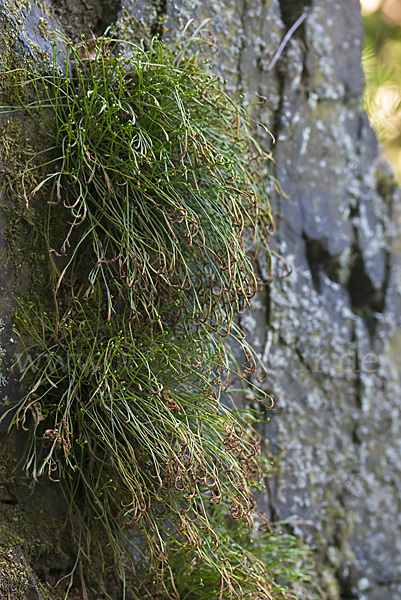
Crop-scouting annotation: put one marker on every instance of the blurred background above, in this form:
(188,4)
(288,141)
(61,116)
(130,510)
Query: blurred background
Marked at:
(382,66)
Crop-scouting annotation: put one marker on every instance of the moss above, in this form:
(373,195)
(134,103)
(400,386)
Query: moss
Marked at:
(25,242)
(130,28)
(17,47)
(7,473)
(386,183)
(26,29)
(15,577)
(18,9)
(33,532)
(330,584)
(45,8)
(26,532)
(25,539)
(46,32)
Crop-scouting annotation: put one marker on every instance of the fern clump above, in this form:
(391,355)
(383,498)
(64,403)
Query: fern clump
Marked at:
(158,177)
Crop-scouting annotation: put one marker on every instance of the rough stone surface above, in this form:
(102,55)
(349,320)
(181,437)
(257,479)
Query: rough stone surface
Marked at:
(330,333)
(26,33)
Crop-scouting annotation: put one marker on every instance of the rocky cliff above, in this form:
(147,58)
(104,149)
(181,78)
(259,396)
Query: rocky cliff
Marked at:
(329,326)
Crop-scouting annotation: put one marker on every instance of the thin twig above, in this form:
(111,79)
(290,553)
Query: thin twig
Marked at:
(83,585)
(286,39)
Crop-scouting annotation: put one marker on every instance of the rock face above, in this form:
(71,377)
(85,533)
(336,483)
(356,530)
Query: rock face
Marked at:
(330,332)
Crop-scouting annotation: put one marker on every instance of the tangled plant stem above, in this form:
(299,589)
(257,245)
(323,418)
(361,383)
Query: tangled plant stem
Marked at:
(158,176)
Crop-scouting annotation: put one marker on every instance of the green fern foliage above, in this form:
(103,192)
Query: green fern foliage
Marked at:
(160,182)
